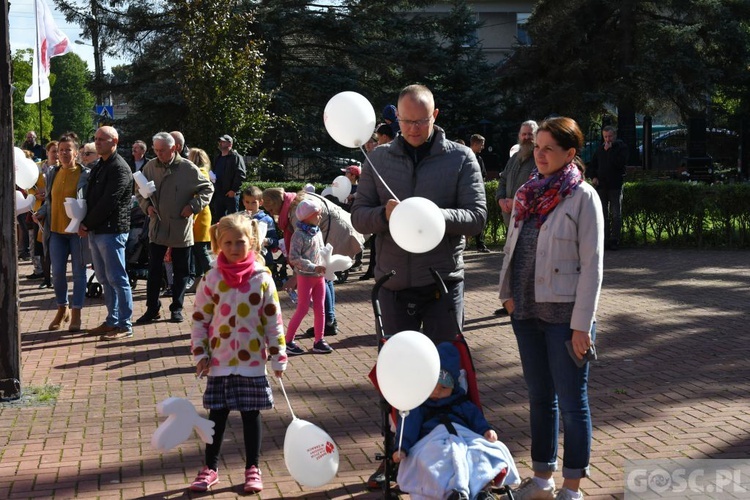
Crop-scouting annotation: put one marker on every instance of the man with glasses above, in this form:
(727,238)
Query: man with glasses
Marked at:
(107,222)
(421,161)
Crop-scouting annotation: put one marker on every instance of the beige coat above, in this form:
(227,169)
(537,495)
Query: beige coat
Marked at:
(178,184)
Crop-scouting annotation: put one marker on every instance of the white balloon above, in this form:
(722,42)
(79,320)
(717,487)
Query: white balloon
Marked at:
(349,119)
(326,191)
(341,187)
(407,369)
(310,454)
(27,173)
(417,225)
(23,205)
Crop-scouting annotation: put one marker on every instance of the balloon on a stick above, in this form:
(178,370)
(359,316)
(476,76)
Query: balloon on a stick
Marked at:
(417,225)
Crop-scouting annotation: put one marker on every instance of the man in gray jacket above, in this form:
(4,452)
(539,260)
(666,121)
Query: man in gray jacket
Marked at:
(517,170)
(421,161)
(181,192)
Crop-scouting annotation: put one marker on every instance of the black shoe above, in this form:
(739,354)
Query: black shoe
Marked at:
(45,284)
(190,285)
(501,312)
(331,330)
(366,276)
(35,276)
(149,317)
(483,250)
(24,256)
(376,480)
(176,317)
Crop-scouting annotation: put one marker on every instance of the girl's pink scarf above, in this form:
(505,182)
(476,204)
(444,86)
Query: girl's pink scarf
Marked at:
(238,273)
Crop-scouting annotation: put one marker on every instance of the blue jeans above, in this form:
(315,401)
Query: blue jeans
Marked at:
(554,379)
(108,256)
(60,246)
(330,304)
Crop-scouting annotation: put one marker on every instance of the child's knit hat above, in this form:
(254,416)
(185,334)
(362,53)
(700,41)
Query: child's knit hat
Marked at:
(306,208)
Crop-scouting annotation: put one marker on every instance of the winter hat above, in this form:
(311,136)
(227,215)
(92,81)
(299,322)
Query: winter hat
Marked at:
(445,379)
(306,208)
(389,113)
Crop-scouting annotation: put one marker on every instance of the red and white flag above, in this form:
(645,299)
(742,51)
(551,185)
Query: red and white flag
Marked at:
(51,42)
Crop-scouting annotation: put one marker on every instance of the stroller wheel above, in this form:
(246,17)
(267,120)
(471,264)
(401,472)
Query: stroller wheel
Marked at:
(94,290)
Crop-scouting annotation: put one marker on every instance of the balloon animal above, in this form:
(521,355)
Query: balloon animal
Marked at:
(177,428)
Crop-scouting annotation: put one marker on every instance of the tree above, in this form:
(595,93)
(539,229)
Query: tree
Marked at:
(72,103)
(681,53)
(223,69)
(26,116)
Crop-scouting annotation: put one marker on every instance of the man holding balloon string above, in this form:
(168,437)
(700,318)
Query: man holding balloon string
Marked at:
(421,162)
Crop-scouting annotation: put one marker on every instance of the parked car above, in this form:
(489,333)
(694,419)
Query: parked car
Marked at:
(669,149)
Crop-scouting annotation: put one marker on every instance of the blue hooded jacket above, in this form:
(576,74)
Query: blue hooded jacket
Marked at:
(457,407)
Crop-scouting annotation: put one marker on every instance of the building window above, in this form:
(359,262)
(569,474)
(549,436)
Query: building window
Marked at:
(521,34)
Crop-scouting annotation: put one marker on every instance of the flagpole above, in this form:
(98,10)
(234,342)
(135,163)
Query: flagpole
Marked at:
(37,60)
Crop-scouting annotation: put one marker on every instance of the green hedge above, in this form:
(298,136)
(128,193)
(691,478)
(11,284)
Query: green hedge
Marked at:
(669,213)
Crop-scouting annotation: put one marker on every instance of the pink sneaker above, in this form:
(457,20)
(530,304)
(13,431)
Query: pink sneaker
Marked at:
(205,479)
(253,482)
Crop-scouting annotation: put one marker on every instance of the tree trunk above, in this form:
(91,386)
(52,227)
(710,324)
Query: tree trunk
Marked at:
(10,338)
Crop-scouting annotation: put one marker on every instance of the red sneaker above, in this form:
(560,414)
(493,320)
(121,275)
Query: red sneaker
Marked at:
(253,482)
(205,479)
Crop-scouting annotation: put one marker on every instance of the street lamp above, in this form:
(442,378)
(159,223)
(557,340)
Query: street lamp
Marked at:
(98,68)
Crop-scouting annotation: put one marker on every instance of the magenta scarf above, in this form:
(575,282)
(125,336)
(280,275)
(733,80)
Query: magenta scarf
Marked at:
(540,195)
(238,273)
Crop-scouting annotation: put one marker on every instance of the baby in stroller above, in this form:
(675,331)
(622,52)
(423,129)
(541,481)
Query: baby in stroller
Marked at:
(459,459)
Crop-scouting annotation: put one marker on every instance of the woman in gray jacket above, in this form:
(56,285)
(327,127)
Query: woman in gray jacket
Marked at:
(550,283)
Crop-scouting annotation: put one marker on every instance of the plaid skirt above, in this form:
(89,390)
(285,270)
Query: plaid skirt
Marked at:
(235,392)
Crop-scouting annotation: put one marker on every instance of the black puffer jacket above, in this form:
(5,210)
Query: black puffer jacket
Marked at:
(109,196)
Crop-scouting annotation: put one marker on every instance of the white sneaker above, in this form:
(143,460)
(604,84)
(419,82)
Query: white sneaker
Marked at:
(566,494)
(529,490)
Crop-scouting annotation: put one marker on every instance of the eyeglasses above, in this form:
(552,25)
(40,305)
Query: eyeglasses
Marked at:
(415,123)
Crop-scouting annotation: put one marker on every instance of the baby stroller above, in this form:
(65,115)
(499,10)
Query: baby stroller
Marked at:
(389,414)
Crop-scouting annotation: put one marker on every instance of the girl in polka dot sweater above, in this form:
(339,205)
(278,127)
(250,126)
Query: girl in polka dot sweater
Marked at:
(237,327)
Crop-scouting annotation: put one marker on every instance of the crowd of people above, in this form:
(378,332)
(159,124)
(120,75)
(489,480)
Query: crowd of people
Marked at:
(549,281)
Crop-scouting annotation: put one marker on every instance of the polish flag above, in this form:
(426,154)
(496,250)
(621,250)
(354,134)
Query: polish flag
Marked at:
(50,42)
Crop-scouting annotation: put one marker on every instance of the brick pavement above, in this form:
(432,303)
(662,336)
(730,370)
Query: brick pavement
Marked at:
(673,380)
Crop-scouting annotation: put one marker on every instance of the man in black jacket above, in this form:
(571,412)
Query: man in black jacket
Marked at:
(607,172)
(107,222)
(229,168)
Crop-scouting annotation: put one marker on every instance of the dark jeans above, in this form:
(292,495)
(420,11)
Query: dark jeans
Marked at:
(201,258)
(222,205)
(418,308)
(611,207)
(155,265)
(555,385)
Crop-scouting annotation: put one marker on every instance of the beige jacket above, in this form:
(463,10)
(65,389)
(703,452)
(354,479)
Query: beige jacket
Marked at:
(569,256)
(178,184)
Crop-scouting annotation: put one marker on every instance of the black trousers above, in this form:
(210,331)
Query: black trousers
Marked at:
(180,265)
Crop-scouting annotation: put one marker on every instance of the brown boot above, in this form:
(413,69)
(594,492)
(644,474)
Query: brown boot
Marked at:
(75,320)
(63,315)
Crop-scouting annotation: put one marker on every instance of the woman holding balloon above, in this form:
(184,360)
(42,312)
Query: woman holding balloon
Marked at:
(550,283)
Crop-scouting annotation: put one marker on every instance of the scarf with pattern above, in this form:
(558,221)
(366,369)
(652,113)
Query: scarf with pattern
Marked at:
(540,195)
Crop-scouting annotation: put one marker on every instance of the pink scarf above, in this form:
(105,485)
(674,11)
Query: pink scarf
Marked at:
(238,273)
(540,195)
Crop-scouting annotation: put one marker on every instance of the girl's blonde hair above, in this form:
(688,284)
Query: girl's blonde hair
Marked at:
(236,222)
(200,158)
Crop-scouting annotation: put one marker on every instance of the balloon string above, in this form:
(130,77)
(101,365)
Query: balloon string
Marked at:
(378,174)
(401,434)
(281,383)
